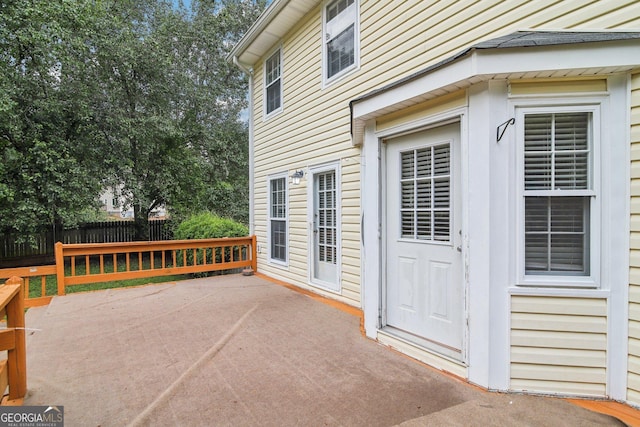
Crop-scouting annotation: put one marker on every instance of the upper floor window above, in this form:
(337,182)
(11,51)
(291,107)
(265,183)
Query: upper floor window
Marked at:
(341,40)
(273,83)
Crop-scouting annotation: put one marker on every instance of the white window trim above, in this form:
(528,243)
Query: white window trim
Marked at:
(266,116)
(270,259)
(326,82)
(333,166)
(595,106)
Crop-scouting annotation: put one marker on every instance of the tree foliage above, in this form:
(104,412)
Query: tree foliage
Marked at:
(135,94)
(48,170)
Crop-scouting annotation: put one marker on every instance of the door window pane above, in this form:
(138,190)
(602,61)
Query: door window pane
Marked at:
(326,231)
(426,193)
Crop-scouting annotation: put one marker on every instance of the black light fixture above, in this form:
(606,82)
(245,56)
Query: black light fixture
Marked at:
(297,175)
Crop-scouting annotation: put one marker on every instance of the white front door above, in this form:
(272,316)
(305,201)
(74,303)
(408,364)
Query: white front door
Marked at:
(424,286)
(325,228)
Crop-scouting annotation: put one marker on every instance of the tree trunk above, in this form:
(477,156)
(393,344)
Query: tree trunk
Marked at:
(141,223)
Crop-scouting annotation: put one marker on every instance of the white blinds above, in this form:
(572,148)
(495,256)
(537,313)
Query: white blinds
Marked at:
(326,217)
(556,151)
(557,162)
(426,193)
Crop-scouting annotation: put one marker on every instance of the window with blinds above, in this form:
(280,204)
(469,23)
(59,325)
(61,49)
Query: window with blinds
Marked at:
(341,37)
(272,83)
(557,180)
(426,193)
(278,219)
(326,217)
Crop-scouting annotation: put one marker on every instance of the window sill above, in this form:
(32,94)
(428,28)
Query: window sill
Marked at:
(562,282)
(558,292)
(280,264)
(327,83)
(267,117)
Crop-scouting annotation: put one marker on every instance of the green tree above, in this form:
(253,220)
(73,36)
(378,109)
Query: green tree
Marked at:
(174,105)
(48,167)
(121,92)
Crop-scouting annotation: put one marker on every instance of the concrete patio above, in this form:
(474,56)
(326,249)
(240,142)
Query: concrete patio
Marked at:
(243,351)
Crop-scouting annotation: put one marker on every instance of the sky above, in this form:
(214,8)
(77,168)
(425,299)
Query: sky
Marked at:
(187,3)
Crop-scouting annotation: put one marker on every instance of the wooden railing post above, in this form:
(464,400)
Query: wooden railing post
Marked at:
(17,356)
(60,268)
(254,254)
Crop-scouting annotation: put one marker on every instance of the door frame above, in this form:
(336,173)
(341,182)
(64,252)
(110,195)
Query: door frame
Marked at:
(457,115)
(312,171)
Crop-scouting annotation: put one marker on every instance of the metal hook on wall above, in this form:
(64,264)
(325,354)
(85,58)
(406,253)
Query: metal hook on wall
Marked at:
(504,126)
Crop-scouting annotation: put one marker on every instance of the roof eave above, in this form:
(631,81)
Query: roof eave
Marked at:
(271,25)
(475,65)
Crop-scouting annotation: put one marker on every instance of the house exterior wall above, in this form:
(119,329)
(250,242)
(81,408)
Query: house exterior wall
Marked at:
(633,378)
(560,340)
(558,345)
(396,39)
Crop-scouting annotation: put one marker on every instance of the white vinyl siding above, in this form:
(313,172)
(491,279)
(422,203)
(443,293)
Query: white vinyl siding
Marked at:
(558,345)
(273,84)
(633,377)
(315,128)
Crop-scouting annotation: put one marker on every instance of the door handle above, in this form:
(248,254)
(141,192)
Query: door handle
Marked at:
(459,249)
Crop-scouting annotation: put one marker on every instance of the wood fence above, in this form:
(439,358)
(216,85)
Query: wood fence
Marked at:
(13,370)
(103,262)
(42,247)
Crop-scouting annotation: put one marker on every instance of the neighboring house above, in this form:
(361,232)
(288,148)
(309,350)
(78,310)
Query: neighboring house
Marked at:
(115,205)
(467,173)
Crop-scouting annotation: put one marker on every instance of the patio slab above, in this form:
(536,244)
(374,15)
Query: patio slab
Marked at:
(235,350)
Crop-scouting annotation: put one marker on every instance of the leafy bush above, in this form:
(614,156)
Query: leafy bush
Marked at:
(209,226)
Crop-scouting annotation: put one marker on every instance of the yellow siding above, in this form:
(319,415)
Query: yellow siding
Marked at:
(398,38)
(549,86)
(559,345)
(633,378)
(423,109)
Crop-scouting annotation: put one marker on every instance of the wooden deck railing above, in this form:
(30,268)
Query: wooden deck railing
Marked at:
(94,262)
(40,273)
(102,262)
(13,370)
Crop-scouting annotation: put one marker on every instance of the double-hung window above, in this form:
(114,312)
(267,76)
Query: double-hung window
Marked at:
(277,219)
(273,83)
(560,193)
(341,38)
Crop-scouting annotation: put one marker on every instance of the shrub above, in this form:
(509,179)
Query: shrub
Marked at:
(208,226)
